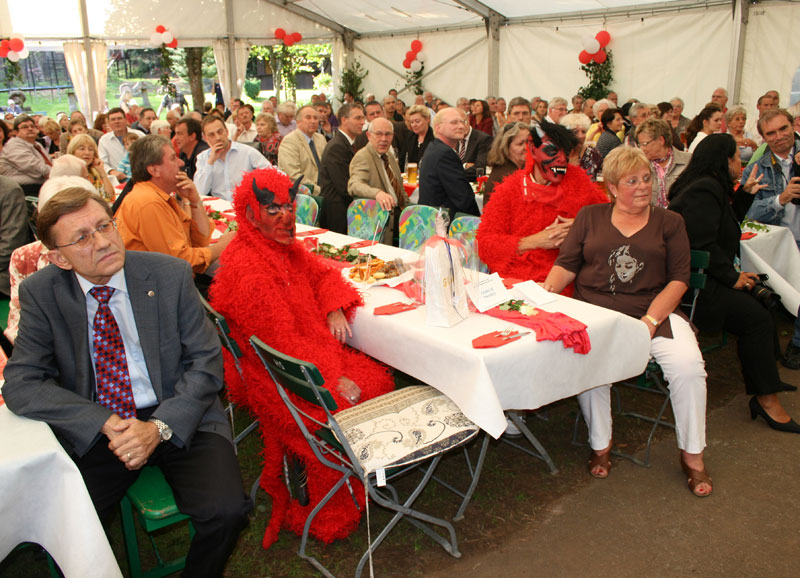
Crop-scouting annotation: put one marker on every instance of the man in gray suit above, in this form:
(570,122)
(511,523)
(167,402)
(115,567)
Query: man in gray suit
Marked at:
(95,307)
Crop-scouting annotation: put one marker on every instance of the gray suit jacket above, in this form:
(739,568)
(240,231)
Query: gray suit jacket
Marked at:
(50,375)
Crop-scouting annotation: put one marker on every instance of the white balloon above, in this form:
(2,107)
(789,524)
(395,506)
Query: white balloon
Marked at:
(591,44)
(416,66)
(13,56)
(23,53)
(155,38)
(421,56)
(166,37)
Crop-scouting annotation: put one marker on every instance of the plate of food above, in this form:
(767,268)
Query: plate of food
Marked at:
(374,271)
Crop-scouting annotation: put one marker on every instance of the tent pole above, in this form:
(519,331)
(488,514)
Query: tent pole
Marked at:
(740,17)
(94,106)
(493,22)
(230,26)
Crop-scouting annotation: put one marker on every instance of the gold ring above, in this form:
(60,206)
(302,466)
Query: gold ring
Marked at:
(129,456)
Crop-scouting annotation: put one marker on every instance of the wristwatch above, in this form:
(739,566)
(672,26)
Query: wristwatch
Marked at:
(653,321)
(164,431)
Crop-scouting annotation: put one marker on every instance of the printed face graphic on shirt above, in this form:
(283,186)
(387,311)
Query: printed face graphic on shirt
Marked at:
(625,266)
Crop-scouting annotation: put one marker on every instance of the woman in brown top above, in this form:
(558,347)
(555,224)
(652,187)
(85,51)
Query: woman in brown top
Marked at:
(634,258)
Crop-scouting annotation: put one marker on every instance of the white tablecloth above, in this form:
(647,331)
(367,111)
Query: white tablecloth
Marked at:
(775,253)
(43,499)
(525,374)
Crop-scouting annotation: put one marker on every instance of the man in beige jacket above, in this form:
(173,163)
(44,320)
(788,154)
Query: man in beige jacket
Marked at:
(301,150)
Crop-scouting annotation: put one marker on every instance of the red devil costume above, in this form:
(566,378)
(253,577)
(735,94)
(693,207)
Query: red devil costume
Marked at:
(270,286)
(521,207)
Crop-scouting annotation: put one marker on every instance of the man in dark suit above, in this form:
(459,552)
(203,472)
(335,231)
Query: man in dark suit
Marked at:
(115,353)
(189,140)
(335,167)
(476,145)
(443,180)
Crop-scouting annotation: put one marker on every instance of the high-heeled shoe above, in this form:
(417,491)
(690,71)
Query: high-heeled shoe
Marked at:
(756,410)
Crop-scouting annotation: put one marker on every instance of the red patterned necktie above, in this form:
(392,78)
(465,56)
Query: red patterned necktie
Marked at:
(111,366)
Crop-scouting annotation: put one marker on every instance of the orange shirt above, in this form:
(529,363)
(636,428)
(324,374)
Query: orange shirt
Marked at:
(151,220)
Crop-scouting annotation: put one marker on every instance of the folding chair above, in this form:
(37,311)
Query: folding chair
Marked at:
(229,343)
(366,219)
(361,442)
(464,228)
(306,210)
(32,204)
(651,381)
(417,225)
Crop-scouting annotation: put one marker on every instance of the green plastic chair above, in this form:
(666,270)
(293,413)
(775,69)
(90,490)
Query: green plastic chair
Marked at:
(341,442)
(465,229)
(364,218)
(417,225)
(652,380)
(306,210)
(150,500)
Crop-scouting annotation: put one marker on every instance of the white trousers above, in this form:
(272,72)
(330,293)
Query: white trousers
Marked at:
(684,369)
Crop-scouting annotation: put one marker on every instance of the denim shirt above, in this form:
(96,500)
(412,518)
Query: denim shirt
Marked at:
(765,207)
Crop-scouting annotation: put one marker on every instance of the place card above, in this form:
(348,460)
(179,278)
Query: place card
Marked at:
(535,293)
(488,292)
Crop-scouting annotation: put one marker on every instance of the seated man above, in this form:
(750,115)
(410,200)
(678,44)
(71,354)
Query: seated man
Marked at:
(270,286)
(23,160)
(475,146)
(220,168)
(163,212)
(532,209)
(190,143)
(116,355)
(300,153)
(375,174)
(443,181)
(13,228)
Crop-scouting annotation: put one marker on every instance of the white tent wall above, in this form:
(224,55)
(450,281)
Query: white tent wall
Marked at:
(772,51)
(466,74)
(655,57)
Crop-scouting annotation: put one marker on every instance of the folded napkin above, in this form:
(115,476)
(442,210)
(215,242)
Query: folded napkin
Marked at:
(509,282)
(364,243)
(393,308)
(410,188)
(549,326)
(311,232)
(494,339)
(748,235)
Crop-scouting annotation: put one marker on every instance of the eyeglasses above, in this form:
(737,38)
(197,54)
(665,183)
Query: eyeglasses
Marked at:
(275,208)
(106,229)
(383,134)
(644,144)
(635,181)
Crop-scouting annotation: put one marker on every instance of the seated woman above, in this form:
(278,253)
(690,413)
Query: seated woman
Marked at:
(704,194)
(270,286)
(268,139)
(654,137)
(507,155)
(419,137)
(480,117)
(531,210)
(634,258)
(84,147)
(585,155)
(707,122)
(736,118)
(612,122)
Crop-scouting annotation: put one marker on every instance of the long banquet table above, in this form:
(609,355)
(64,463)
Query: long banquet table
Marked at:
(43,500)
(522,375)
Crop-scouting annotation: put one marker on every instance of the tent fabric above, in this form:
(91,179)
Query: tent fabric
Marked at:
(91,98)
(225,67)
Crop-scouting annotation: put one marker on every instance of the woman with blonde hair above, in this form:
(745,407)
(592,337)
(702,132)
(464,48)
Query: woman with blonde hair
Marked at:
(268,139)
(507,154)
(418,118)
(84,147)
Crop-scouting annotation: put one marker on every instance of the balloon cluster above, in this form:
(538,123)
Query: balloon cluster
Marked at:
(414,57)
(163,36)
(288,39)
(13,48)
(593,48)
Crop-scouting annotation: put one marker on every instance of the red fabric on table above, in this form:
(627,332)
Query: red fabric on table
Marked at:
(494,339)
(748,235)
(393,308)
(549,326)
(311,232)
(364,243)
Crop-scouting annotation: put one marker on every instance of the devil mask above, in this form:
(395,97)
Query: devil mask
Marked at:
(548,153)
(266,199)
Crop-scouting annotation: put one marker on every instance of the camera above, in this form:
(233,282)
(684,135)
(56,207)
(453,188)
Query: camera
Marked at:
(763,294)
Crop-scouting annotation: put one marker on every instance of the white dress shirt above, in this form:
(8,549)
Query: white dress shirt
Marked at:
(222,178)
(111,150)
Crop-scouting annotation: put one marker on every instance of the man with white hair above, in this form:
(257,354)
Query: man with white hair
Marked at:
(267,106)
(463,104)
(639,112)
(720,96)
(556,108)
(286,113)
(679,121)
(596,129)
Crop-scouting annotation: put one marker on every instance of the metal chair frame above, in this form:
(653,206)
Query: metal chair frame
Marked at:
(651,381)
(330,447)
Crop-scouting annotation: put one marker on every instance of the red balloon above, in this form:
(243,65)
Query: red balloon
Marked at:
(4,44)
(603,37)
(16,44)
(288,41)
(4,52)
(585,57)
(160,29)
(297,37)
(280,33)
(416,45)
(600,56)
(406,63)
(411,55)
(173,44)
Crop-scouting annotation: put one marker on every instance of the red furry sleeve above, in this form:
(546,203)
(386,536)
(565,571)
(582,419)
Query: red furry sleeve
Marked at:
(496,244)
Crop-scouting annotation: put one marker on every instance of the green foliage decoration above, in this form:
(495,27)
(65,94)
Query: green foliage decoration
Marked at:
(600,78)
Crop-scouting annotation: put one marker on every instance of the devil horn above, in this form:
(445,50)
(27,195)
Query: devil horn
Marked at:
(295,188)
(263,196)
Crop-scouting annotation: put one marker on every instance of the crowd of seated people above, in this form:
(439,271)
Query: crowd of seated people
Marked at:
(672,183)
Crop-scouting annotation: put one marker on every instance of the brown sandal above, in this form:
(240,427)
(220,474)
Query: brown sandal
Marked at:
(695,478)
(602,460)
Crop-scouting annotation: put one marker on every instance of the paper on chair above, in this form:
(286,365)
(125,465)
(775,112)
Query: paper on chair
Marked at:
(535,293)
